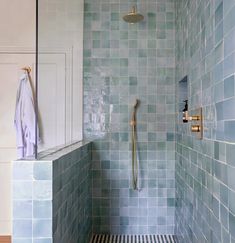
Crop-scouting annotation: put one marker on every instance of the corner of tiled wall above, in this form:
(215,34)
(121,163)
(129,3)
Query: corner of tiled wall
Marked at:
(205,169)
(52,198)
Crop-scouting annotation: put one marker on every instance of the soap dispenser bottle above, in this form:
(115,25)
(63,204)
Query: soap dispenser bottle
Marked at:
(185,111)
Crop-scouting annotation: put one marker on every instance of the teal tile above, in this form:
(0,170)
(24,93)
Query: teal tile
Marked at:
(151,109)
(229,20)
(229,109)
(229,128)
(229,87)
(219,13)
(219,33)
(170,202)
(229,64)
(229,45)
(114,17)
(232,224)
(231,179)
(133,81)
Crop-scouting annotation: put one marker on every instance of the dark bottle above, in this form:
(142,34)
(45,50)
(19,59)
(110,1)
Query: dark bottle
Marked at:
(185,111)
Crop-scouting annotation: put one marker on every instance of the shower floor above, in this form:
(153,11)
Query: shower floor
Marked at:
(133,239)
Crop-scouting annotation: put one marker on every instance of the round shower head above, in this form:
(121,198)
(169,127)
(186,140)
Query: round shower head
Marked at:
(133,16)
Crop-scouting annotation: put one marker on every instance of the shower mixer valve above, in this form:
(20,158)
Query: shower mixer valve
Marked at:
(197,127)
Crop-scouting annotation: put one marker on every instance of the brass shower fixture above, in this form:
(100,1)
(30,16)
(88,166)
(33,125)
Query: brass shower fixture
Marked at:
(133,17)
(135,162)
(197,127)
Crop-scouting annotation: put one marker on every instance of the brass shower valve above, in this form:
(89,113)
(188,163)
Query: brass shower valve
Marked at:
(197,127)
(194,118)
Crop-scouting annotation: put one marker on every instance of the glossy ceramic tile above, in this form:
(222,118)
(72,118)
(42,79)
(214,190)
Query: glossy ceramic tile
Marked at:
(124,62)
(52,198)
(205,169)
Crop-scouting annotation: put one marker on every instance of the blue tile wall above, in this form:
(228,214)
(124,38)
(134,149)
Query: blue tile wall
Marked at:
(72,197)
(205,168)
(52,198)
(29,191)
(124,62)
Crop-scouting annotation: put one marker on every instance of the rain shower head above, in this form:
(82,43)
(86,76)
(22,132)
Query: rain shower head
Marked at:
(133,16)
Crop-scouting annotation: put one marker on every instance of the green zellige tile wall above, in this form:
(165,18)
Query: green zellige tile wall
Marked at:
(205,170)
(123,62)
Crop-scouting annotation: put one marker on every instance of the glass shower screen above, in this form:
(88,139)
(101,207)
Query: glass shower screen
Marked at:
(59,73)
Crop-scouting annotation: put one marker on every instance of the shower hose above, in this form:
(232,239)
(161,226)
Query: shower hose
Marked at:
(134,149)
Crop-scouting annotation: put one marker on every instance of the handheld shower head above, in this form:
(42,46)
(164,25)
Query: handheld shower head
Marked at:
(136,103)
(133,119)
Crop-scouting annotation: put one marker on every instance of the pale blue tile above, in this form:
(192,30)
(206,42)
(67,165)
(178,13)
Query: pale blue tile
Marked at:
(219,14)
(229,65)
(22,228)
(219,111)
(22,209)
(49,240)
(229,43)
(22,170)
(22,190)
(229,20)
(219,33)
(219,92)
(42,228)
(230,154)
(42,209)
(228,5)
(218,72)
(220,130)
(229,109)
(229,131)
(229,87)
(42,170)
(231,178)
(231,199)
(42,190)
(232,224)
(23,240)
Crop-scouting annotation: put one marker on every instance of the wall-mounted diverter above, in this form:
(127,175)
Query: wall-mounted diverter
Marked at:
(197,126)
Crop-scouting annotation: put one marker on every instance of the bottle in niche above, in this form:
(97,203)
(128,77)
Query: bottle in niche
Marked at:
(185,112)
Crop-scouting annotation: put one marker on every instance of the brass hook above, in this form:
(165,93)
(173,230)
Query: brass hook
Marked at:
(27,69)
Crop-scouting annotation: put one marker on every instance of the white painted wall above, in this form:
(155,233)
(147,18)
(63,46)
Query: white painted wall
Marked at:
(17,44)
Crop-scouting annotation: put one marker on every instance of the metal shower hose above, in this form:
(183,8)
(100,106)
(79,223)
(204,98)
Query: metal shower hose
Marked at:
(134,149)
